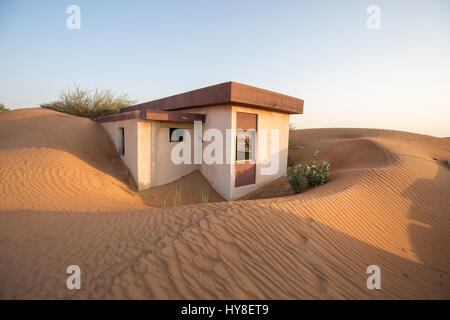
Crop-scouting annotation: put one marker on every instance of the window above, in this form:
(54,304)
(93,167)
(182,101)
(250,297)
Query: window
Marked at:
(245,145)
(121,145)
(176,134)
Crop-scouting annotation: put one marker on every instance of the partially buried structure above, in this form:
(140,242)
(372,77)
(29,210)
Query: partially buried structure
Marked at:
(243,128)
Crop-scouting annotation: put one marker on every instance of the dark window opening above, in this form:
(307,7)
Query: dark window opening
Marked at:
(176,134)
(121,146)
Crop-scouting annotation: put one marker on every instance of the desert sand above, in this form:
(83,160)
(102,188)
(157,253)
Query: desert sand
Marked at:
(67,199)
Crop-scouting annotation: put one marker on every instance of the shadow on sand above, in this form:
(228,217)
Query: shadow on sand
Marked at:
(429,230)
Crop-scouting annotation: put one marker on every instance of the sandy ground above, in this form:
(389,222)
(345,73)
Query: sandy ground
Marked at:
(65,199)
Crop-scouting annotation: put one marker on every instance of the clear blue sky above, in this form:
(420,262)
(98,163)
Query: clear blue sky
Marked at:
(397,77)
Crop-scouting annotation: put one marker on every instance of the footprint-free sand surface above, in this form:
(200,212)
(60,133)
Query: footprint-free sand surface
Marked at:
(65,199)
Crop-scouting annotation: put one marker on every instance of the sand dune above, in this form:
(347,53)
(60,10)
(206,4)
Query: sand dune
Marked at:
(65,199)
(51,161)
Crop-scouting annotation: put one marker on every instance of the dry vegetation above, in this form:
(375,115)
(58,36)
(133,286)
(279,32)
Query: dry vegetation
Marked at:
(3,108)
(89,103)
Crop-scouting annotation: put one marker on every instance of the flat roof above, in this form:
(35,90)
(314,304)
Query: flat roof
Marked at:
(225,93)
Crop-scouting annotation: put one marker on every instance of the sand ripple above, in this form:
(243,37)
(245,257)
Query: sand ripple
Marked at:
(387,203)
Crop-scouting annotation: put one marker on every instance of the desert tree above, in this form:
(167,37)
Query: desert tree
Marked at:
(3,108)
(89,103)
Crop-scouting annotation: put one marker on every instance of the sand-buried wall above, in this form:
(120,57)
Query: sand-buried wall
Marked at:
(137,137)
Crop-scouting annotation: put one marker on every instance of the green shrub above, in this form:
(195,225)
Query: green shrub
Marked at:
(89,103)
(3,108)
(314,175)
(295,178)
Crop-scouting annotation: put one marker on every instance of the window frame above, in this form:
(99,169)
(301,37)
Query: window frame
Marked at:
(251,134)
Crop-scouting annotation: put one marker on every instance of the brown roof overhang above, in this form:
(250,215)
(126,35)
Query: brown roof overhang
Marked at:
(226,93)
(155,115)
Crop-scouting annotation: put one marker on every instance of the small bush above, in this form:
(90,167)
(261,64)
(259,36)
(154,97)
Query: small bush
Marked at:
(89,103)
(316,175)
(3,108)
(313,174)
(295,178)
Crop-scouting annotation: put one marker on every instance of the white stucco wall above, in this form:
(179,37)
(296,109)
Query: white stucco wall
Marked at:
(165,170)
(138,139)
(222,176)
(218,175)
(267,120)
